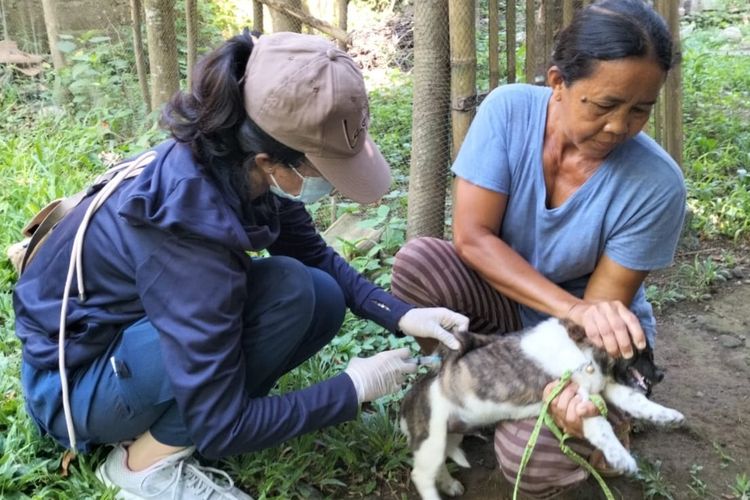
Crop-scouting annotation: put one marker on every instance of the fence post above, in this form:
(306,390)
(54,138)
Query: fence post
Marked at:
(430,136)
(510,39)
(568,10)
(281,21)
(342,19)
(49,7)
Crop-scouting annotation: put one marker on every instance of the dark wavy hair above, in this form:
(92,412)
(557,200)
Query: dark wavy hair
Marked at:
(608,30)
(210,117)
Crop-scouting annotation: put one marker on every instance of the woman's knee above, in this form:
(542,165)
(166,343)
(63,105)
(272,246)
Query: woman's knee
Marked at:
(330,303)
(285,274)
(285,296)
(421,270)
(548,471)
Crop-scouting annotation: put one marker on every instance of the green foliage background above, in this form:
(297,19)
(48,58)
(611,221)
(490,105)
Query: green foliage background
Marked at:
(49,150)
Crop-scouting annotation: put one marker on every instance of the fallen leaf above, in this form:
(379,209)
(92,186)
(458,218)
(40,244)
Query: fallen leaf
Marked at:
(67,457)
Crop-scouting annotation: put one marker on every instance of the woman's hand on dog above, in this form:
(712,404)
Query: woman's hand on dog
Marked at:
(568,409)
(609,325)
(437,323)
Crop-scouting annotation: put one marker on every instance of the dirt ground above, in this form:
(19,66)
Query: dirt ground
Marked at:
(704,348)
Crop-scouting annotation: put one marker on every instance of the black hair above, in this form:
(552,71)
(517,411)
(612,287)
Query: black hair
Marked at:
(608,30)
(210,117)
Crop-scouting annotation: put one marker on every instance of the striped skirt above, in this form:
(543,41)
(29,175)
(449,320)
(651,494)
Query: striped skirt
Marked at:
(428,272)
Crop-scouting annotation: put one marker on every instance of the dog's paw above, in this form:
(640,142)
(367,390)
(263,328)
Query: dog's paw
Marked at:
(621,460)
(669,418)
(450,486)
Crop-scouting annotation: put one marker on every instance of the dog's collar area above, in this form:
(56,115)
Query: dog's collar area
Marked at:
(586,366)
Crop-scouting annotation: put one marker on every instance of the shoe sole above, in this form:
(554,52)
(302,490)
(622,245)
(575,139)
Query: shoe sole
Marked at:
(121,494)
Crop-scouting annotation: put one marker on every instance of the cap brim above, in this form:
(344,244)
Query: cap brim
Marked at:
(364,177)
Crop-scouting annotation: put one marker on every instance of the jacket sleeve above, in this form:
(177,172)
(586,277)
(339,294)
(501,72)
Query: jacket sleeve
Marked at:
(197,308)
(300,239)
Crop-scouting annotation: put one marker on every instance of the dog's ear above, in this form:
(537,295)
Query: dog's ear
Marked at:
(575,331)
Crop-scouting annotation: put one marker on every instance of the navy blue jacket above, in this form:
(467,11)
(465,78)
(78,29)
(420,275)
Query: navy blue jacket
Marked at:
(170,245)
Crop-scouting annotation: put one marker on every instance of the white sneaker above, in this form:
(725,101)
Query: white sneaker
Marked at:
(178,476)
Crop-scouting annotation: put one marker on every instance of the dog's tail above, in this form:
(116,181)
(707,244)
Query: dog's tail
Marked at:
(457,455)
(469,341)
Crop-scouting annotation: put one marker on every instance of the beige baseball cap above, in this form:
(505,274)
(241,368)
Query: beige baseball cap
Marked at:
(309,95)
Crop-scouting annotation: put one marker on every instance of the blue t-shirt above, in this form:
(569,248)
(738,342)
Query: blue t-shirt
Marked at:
(630,209)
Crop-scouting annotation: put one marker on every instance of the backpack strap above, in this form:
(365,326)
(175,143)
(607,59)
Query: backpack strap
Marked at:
(40,227)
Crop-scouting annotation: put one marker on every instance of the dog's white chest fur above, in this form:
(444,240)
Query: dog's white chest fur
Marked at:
(552,349)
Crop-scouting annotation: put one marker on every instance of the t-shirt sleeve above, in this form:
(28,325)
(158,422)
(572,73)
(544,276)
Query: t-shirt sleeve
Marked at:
(646,238)
(483,157)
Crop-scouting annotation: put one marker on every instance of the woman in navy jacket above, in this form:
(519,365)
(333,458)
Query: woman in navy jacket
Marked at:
(179,335)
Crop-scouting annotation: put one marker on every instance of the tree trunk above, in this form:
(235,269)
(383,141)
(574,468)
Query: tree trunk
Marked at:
(162,50)
(140,54)
(536,60)
(284,22)
(191,23)
(669,104)
(51,23)
(430,134)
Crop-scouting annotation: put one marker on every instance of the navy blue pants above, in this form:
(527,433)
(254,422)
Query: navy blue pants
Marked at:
(292,311)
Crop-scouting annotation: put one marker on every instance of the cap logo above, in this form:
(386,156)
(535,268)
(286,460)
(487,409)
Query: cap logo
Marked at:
(354,139)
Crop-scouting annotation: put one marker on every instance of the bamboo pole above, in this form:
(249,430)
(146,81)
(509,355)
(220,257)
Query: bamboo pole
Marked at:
(463,67)
(431,129)
(510,39)
(140,58)
(318,24)
(257,16)
(494,28)
(191,22)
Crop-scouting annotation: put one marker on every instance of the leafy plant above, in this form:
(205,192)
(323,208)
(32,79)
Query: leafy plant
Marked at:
(654,483)
(741,487)
(697,485)
(723,455)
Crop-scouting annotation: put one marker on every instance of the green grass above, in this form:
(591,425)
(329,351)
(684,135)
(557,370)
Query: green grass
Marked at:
(48,151)
(717,133)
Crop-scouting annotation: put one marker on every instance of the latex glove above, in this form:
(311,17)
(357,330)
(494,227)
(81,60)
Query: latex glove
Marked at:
(381,374)
(434,322)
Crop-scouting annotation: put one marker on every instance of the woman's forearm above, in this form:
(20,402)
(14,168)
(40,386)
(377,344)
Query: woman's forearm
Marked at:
(513,276)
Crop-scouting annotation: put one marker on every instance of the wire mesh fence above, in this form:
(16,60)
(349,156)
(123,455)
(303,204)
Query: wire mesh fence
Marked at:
(453,51)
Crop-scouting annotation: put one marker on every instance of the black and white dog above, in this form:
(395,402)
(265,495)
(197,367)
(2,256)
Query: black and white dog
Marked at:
(493,378)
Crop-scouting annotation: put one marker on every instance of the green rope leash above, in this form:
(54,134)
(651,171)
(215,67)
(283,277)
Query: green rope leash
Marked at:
(544,417)
(538,427)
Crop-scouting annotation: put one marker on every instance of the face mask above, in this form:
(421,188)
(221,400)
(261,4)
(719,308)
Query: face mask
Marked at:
(313,189)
